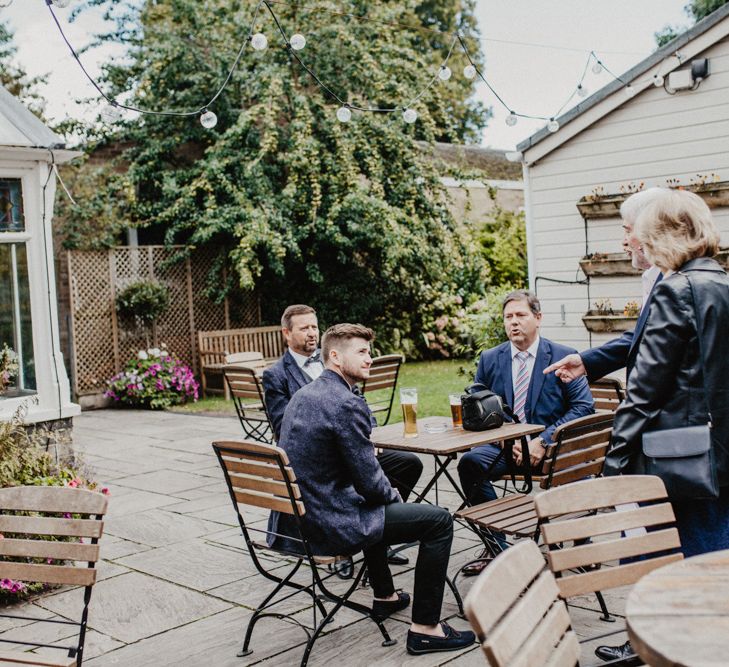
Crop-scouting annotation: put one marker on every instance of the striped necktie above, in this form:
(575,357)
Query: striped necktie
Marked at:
(521,386)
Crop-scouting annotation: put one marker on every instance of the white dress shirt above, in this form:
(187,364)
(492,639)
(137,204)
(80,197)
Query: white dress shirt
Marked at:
(648,279)
(515,363)
(313,370)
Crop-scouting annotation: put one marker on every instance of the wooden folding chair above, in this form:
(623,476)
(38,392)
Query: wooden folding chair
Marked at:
(608,393)
(578,451)
(246,390)
(606,533)
(259,475)
(383,379)
(516,612)
(31,520)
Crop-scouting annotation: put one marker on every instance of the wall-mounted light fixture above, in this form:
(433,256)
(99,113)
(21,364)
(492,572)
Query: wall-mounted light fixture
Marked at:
(689,78)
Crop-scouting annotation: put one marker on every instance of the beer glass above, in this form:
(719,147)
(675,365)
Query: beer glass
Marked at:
(409,403)
(456,410)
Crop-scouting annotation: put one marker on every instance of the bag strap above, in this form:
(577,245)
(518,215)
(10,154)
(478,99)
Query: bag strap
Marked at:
(699,329)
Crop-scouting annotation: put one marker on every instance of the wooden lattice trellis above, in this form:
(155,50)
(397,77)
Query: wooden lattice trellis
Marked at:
(102,343)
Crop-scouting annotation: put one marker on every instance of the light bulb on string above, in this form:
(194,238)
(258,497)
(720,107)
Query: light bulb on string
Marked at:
(410,116)
(629,90)
(344,114)
(552,125)
(581,90)
(444,73)
(657,80)
(110,114)
(259,41)
(208,119)
(469,71)
(597,67)
(62,3)
(511,119)
(297,41)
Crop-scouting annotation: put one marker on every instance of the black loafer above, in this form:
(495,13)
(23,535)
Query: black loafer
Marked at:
(382,609)
(397,559)
(454,640)
(623,652)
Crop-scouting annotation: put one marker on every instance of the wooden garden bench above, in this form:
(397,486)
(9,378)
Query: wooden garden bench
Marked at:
(214,346)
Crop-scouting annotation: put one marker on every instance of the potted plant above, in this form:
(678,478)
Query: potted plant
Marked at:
(143,302)
(603,319)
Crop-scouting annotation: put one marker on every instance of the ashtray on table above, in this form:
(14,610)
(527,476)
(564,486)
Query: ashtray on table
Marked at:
(435,427)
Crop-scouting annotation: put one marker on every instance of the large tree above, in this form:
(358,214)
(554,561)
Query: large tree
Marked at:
(348,216)
(14,78)
(697,10)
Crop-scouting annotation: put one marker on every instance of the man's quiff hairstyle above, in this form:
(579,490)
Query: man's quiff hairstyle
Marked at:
(675,228)
(334,337)
(292,311)
(523,295)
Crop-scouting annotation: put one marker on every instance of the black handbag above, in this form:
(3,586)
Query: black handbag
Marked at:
(683,457)
(483,409)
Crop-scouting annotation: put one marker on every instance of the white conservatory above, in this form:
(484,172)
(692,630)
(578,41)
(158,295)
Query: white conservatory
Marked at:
(31,364)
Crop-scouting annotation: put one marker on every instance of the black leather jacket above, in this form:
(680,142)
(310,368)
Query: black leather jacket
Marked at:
(666,387)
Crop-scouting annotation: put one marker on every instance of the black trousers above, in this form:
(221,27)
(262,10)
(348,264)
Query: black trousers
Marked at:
(403,469)
(430,525)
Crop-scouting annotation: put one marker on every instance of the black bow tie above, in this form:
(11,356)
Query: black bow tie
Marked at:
(313,359)
(357,391)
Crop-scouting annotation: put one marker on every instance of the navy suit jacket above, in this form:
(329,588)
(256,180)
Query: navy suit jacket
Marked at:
(326,435)
(280,382)
(618,353)
(549,400)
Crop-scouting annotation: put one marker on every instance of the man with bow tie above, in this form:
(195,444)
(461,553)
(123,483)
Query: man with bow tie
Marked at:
(300,365)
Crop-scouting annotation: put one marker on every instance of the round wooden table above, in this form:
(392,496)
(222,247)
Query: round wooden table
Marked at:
(678,615)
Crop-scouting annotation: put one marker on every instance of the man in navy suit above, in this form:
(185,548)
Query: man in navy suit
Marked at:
(620,352)
(514,371)
(300,365)
(350,504)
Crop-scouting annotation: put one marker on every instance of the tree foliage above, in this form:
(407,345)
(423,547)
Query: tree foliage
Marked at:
(348,217)
(697,10)
(14,78)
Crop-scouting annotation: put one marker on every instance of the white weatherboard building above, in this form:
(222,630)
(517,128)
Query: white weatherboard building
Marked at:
(28,313)
(675,131)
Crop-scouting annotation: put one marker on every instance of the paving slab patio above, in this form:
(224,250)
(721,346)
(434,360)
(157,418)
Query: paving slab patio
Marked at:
(176,585)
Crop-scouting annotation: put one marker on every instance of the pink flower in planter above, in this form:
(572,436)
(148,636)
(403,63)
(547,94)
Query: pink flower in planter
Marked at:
(105,491)
(73,483)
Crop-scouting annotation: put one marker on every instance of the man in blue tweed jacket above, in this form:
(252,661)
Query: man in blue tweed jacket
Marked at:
(350,504)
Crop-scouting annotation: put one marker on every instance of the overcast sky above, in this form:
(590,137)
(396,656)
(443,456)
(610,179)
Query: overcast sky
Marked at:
(535,52)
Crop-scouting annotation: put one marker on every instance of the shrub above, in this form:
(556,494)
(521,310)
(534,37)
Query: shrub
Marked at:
(154,379)
(145,299)
(24,461)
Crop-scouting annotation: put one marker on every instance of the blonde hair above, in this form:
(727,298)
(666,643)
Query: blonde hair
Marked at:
(676,227)
(633,206)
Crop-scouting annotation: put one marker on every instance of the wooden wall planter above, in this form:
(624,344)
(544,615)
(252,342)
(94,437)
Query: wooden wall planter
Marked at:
(608,206)
(608,264)
(598,323)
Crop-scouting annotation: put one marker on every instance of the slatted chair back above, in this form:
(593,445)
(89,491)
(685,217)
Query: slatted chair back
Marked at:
(29,516)
(608,393)
(246,390)
(588,553)
(260,475)
(578,451)
(383,379)
(517,615)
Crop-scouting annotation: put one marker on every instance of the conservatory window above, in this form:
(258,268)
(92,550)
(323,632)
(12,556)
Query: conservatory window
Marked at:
(17,368)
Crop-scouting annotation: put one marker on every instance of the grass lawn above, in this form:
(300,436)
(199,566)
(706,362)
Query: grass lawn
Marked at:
(434,380)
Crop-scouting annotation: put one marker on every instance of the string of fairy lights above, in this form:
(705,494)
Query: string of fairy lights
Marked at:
(296,44)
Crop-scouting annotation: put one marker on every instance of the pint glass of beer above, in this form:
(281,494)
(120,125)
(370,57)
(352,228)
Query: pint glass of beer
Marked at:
(409,402)
(456,410)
